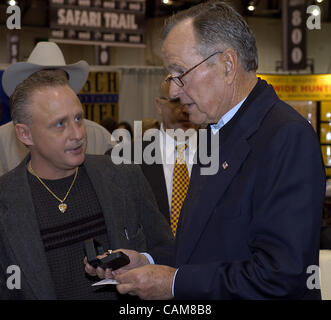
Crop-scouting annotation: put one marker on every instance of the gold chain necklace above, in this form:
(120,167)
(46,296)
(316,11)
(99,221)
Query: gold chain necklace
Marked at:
(62,206)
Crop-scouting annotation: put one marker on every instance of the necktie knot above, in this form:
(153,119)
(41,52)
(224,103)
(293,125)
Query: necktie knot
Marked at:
(181,148)
(181,153)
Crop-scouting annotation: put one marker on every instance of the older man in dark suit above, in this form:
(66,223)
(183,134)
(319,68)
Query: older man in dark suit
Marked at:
(251,231)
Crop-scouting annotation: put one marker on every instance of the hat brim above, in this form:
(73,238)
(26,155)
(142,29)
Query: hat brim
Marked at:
(18,72)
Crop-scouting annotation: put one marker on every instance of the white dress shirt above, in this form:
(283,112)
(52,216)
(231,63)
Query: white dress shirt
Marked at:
(227,117)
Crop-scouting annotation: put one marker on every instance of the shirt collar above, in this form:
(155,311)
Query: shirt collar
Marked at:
(227,117)
(168,146)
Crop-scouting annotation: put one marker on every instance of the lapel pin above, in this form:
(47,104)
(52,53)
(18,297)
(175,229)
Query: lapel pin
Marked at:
(225,165)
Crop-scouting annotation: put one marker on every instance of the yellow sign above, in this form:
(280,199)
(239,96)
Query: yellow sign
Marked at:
(100,96)
(325,134)
(326,111)
(300,87)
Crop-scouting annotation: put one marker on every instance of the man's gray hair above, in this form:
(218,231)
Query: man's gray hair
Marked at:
(218,26)
(20,100)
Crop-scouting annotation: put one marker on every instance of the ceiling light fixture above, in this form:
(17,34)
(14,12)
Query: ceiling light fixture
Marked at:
(251,6)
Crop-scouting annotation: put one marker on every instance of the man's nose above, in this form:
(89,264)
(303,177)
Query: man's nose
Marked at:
(77,131)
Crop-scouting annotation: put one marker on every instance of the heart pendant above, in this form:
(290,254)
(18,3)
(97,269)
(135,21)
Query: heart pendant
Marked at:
(62,207)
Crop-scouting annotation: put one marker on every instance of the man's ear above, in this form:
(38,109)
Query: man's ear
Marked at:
(230,64)
(23,134)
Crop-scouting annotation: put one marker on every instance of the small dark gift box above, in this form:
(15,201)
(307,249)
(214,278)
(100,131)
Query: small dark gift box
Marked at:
(113,260)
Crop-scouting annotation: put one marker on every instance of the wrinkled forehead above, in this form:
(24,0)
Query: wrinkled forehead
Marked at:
(179,43)
(55,99)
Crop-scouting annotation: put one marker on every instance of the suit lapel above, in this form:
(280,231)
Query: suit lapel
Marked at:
(19,228)
(233,152)
(205,197)
(155,176)
(195,186)
(112,201)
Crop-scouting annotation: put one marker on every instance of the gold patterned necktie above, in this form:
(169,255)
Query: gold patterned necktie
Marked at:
(180,184)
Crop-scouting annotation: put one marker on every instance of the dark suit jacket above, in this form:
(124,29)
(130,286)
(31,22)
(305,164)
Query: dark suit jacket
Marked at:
(251,230)
(126,203)
(153,173)
(155,176)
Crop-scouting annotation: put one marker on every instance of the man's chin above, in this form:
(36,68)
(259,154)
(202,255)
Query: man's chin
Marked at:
(197,119)
(194,115)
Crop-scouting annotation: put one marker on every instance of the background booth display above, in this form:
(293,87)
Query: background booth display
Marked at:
(122,93)
(325,133)
(100,94)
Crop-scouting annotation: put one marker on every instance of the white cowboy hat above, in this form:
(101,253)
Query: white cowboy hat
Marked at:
(45,55)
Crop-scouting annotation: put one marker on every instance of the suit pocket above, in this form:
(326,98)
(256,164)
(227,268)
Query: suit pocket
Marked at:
(137,240)
(228,210)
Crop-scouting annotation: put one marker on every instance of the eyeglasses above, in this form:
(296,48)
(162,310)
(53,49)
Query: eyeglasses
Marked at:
(178,79)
